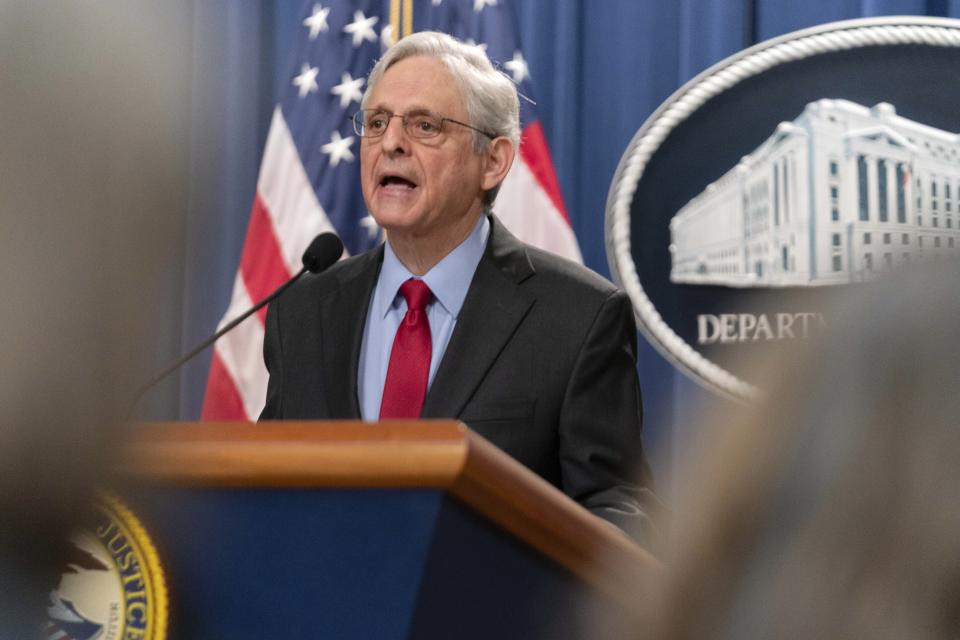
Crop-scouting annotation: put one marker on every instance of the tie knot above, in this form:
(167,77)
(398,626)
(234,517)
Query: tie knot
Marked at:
(416,293)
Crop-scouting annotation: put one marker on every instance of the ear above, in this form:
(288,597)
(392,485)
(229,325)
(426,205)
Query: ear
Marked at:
(498,157)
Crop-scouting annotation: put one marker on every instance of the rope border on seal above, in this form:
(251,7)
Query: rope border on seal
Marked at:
(153,571)
(798,45)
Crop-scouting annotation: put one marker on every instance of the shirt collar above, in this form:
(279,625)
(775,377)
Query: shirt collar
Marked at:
(449,279)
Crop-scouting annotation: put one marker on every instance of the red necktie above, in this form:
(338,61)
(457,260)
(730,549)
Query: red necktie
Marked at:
(406,384)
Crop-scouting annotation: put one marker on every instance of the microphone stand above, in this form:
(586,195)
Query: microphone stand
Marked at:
(206,343)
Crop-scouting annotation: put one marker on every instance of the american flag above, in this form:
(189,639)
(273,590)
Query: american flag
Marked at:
(309,176)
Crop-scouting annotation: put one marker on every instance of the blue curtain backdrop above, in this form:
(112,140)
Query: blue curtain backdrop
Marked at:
(600,67)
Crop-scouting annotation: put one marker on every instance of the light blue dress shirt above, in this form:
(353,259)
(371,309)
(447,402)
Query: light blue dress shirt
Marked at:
(449,280)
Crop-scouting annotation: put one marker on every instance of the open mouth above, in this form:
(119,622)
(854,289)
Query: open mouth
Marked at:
(396,181)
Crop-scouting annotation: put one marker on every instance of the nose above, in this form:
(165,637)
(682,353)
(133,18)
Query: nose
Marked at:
(394,139)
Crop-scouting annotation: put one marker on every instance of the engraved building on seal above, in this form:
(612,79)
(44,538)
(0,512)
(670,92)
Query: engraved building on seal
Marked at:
(839,193)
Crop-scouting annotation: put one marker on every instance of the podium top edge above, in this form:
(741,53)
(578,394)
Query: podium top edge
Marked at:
(301,431)
(428,453)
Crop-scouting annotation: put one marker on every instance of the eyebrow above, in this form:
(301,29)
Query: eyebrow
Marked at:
(414,109)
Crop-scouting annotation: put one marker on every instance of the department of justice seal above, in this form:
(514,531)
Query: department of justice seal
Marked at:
(112,587)
(758,194)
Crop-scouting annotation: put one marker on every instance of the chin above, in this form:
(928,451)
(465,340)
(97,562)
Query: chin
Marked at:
(389,217)
(394,222)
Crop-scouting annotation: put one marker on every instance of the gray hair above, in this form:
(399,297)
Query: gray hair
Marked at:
(489,95)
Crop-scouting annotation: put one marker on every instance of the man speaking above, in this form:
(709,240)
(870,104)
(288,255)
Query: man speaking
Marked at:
(453,317)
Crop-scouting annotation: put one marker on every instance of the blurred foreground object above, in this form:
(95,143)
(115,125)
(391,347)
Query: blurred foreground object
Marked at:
(833,509)
(93,130)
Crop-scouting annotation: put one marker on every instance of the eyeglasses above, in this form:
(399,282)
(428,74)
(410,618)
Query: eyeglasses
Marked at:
(373,123)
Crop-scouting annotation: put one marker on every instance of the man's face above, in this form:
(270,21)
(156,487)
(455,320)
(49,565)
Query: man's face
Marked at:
(421,188)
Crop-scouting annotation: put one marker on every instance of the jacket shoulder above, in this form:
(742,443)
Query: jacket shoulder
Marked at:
(313,286)
(574,279)
(543,270)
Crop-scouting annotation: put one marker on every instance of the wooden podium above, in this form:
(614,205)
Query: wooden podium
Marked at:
(373,531)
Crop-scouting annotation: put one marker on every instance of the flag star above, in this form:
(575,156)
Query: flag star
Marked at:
(361,28)
(368,223)
(478,5)
(387,38)
(317,21)
(338,148)
(307,80)
(436,3)
(517,67)
(348,90)
(473,43)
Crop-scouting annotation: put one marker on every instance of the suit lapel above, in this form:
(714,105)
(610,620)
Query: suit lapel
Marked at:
(495,306)
(343,316)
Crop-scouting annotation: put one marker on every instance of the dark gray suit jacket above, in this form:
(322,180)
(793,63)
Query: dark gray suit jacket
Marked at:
(542,362)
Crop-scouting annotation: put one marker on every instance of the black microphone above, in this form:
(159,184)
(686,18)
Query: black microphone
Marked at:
(325,250)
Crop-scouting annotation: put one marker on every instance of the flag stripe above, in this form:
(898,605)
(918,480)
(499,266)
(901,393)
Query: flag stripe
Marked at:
(529,213)
(241,352)
(221,402)
(261,264)
(288,194)
(536,155)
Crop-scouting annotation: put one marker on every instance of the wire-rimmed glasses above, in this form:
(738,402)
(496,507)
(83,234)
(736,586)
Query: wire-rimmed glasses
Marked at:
(373,123)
